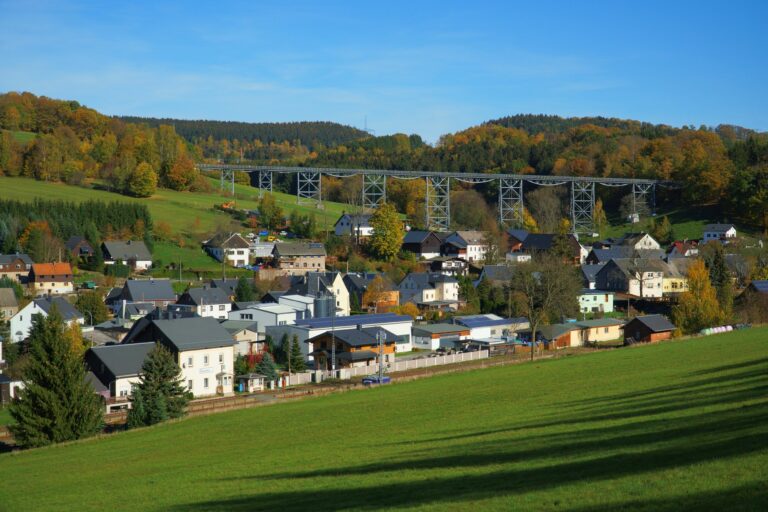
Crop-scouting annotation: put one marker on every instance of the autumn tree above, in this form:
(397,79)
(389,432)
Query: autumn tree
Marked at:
(56,404)
(270,213)
(143,181)
(376,292)
(548,289)
(698,307)
(662,230)
(388,232)
(409,308)
(91,305)
(599,218)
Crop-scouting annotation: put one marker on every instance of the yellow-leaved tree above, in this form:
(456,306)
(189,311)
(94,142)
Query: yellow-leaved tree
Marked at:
(697,308)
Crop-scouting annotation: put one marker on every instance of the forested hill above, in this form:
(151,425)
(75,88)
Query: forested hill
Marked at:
(542,123)
(309,133)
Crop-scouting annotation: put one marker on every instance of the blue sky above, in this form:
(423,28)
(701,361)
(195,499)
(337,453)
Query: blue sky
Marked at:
(413,67)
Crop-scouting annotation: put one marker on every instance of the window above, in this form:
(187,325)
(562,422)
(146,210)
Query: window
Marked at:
(281,322)
(205,383)
(606,330)
(189,362)
(205,360)
(189,384)
(221,357)
(221,307)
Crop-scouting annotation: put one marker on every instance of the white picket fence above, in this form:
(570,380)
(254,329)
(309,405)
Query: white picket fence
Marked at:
(361,371)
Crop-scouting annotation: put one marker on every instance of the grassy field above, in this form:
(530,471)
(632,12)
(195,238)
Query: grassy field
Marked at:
(23,137)
(680,425)
(188,214)
(687,223)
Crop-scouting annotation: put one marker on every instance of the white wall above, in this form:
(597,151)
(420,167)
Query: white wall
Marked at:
(22,321)
(218,311)
(213,370)
(263,318)
(426,343)
(122,388)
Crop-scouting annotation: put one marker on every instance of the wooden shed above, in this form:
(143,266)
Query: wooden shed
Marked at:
(649,328)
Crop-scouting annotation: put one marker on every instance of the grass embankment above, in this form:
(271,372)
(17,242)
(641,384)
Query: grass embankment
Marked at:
(188,214)
(5,416)
(680,425)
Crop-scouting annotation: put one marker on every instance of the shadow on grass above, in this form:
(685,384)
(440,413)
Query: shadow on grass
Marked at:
(510,468)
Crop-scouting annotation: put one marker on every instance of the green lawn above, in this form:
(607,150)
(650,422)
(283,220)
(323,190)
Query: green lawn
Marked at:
(5,416)
(680,425)
(23,137)
(687,222)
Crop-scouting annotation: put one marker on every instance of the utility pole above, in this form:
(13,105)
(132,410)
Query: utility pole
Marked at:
(380,339)
(333,335)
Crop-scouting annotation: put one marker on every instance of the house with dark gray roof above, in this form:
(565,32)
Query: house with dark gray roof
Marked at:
(79,247)
(424,244)
(133,253)
(203,349)
(430,290)
(354,224)
(636,277)
(497,275)
(231,247)
(296,258)
(228,285)
(545,242)
(207,302)
(720,232)
(9,305)
(21,322)
(15,266)
(118,368)
(649,328)
(321,285)
(600,256)
(157,291)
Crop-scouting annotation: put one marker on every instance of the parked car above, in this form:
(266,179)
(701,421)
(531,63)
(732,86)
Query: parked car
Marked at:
(263,232)
(283,233)
(374,380)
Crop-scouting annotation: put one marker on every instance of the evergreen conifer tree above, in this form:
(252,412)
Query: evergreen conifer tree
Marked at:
(244,290)
(266,367)
(56,404)
(160,394)
(297,358)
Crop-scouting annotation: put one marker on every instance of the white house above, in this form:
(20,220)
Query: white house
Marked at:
(231,247)
(430,290)
(719,232)
(595,301)
(21,322)
(398,325)
(640,242)
(357,225)
(488,326)
(203,349)
(245,334)
(118,368)
(470,245)
(266,315)
(320,286)
(207,302)
(133,253)
(434,336)
(637,277)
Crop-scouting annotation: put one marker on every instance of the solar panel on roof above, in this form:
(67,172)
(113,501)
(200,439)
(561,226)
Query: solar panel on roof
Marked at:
(345,321)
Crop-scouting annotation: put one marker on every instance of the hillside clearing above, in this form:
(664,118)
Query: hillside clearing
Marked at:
(665,427)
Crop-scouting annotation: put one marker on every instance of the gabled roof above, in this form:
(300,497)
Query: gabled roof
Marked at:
(65,309)
(228,241)
(359,282)
(470,237)
(631,266)
(552,331)
(313,283)
(353,320)
(718,228)
(52,269)
(416,236)
(194,333)
(497,272)
(359,337)
(9,258)
(138,308)
(590,272)
(235,326)
(138,290)
(426,280)
(599,322)
(204,296)
(228,285)
(74,241)
(123,360)
(127,250)
(656,323)
(8,298)
(518,234)
(299,249)
(356,219)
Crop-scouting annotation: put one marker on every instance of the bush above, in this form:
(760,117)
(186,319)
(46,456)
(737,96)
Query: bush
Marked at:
(117,270)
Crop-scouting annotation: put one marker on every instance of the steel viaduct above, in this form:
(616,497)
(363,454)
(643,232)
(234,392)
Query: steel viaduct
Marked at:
(438,207)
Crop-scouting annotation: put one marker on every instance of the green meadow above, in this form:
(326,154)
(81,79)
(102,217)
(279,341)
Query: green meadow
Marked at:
(679,425)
